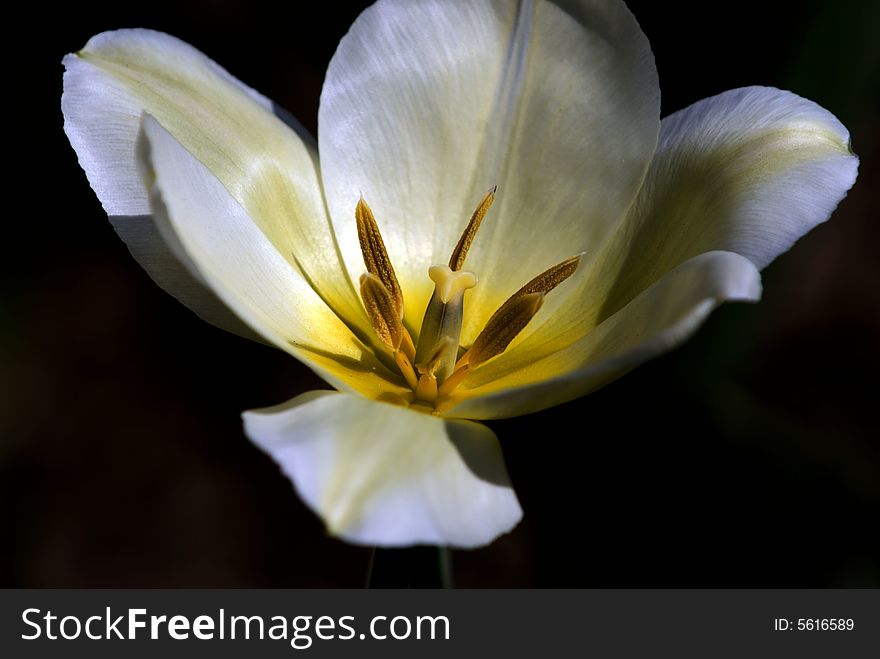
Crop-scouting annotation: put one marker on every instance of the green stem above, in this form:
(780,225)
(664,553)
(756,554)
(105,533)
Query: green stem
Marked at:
(410,567)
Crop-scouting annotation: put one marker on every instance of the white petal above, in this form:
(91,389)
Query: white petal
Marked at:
(246,270)
(428,104)
(657,320)
(384,475)
(747,171)
(265,166)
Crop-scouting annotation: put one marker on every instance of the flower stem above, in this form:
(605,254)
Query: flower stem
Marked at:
(410,567)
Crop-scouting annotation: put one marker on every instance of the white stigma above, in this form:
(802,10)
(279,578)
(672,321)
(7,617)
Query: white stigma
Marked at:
(451,283)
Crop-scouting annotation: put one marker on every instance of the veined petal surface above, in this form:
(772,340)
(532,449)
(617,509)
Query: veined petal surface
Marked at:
(266,167)
(429,103)
(379,474)
(247,272)
(747,171)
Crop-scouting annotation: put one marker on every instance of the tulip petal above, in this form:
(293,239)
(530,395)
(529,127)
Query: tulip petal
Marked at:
(657,320)
(266,167)
(747,171)
(379,474)
(427,104)
(246,270)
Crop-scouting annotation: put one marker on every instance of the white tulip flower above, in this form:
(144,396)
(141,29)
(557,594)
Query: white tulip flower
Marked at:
(610,236)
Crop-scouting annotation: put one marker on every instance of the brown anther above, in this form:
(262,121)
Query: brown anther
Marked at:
(550,278)
(375,255)
(382,311)
(515,314)
(456,261)
(502,328)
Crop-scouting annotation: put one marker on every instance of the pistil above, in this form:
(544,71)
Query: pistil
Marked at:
(441,325)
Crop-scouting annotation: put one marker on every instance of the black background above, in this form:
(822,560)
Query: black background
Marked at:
(748,457)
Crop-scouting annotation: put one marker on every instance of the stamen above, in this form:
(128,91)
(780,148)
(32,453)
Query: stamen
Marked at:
(456,261)
(406,369)
(375,255)
(502,328)
(407,345)
(506,323)
(382,311)
(551,278)
(388,327)
(451,383)
(426,389)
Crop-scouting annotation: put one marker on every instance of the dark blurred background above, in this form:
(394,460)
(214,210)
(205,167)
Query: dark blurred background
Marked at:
(748,457)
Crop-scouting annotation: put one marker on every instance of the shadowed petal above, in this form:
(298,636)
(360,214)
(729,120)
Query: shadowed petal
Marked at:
(247,272)
(384,475)
(265,166)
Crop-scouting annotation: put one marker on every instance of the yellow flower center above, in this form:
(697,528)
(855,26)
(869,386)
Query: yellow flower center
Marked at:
(436,366)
